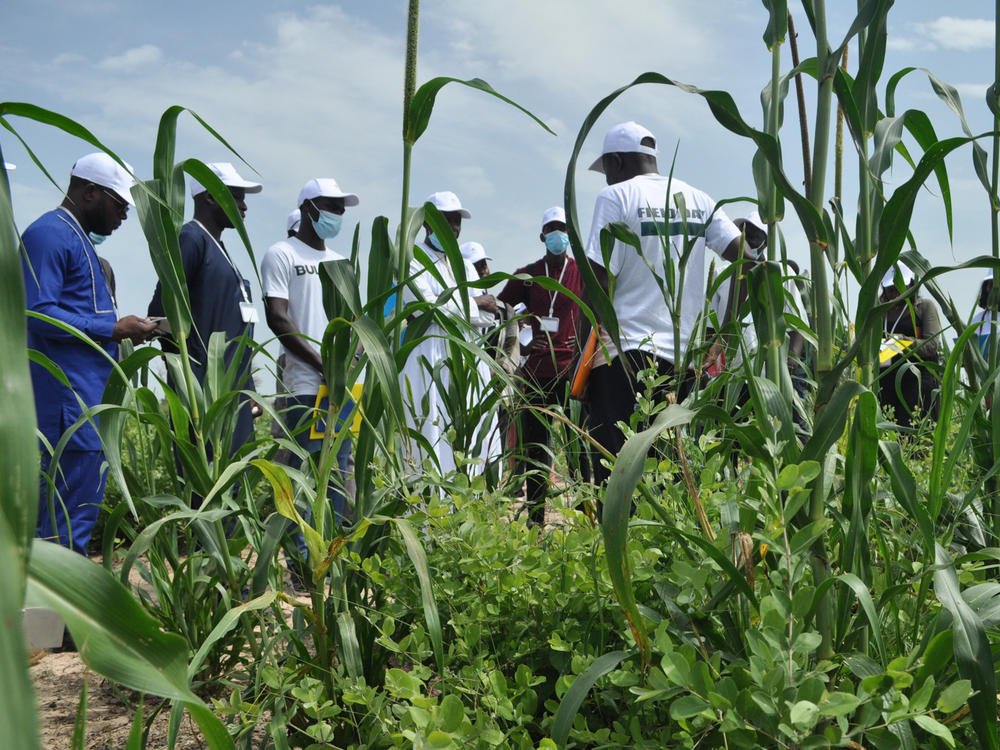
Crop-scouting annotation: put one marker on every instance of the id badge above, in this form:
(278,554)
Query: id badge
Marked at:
(550,324)
(248,312)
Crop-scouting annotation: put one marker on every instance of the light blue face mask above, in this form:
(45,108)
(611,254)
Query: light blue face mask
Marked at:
(556,242)
(96,238)
(432,238)
(328,225)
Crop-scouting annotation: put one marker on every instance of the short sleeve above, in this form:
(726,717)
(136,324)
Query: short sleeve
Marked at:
(606,210)
(275,271)
(720,231)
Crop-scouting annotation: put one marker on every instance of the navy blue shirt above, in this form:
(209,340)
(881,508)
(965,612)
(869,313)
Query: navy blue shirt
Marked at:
(63,279)
(214,288)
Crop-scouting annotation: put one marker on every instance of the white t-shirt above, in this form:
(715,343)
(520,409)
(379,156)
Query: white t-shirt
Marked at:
(290,270)
(639,301)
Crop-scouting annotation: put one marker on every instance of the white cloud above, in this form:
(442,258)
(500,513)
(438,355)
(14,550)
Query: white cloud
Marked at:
(963,34)
(68,58)
(136,57)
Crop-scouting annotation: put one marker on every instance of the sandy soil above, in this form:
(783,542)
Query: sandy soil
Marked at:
(58,679)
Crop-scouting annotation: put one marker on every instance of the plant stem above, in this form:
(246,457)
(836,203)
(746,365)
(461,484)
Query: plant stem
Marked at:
(801,98)
(409,86)
(821,309)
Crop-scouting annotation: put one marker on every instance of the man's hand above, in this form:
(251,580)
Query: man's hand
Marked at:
(486,302)
(539,341)
(134,328)
(714,360)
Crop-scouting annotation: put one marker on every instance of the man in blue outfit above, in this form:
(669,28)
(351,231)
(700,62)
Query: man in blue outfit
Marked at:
(220,296)
(64,280)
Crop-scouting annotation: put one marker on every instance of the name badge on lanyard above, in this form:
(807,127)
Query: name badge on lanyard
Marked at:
(249,313)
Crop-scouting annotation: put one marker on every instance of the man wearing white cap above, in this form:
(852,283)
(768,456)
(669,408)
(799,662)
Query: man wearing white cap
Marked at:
(429,408)
(64,279)
(293,303)
(554,318)
(908,381)
(220,296)
(984,320)
(686,218)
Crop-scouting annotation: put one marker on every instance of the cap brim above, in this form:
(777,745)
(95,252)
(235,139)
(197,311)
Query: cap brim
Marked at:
(126,196)
(598,165)
(464,213)
(248,187)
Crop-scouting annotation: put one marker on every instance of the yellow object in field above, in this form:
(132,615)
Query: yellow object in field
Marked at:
(322,406)
(892,347)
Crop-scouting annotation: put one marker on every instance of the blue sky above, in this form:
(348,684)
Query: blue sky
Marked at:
(315,90)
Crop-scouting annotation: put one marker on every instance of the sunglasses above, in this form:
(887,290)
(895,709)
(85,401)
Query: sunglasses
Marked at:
(121,205)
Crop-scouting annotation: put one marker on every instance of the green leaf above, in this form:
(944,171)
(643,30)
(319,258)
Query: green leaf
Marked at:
(573,699)
(135,734)
(114,634)
(422,104)
(418,557)
(687,706)
(954,696)
(932,726)
(804,714)
(451,712)
(625,476)
(839,704)
(972,650)
(79,739)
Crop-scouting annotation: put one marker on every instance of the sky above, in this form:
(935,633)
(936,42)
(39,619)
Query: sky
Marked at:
(315,90)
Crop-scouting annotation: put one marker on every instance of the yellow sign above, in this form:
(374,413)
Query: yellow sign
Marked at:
(892,347)
(322,407)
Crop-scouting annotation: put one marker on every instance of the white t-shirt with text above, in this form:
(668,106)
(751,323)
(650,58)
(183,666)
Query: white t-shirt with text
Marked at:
(644,318)
(290,270)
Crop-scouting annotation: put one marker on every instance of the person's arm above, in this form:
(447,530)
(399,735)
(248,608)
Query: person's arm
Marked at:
(930,330)
(282,325)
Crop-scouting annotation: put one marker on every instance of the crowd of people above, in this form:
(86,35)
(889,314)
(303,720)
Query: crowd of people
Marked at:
(534,329)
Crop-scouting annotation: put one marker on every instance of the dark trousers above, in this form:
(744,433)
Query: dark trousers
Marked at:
(534,457)
(79,490)
(613,392)
(915,396)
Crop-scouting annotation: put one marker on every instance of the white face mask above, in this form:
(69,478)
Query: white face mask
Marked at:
(327,224)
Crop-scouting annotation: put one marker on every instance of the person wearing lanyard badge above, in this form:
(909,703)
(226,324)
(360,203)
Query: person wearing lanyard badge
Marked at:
(907,380)
(220,296)
(549,355)
(64,280)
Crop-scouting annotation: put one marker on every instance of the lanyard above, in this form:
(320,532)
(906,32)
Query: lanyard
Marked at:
(239,276)
(85,241)
(555,294)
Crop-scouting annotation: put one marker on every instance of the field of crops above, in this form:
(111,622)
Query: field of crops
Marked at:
(766,566)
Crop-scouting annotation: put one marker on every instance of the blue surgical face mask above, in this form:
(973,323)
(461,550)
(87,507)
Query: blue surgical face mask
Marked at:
(432,238)
(556,242)
(328,225)
(96,238)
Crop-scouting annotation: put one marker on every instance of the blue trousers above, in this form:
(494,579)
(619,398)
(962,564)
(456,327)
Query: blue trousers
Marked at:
(299,416)
(79,490)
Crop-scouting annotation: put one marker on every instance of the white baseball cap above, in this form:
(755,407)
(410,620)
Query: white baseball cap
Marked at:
(102,170)
(474,252)
(555,213)
(229,176)
(325,187)
(294,219)
(625,138)
(889,280)
(988,276)
(754,220)
(445,201)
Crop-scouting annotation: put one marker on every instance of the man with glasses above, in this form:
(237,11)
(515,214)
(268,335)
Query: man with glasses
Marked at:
(64,281)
